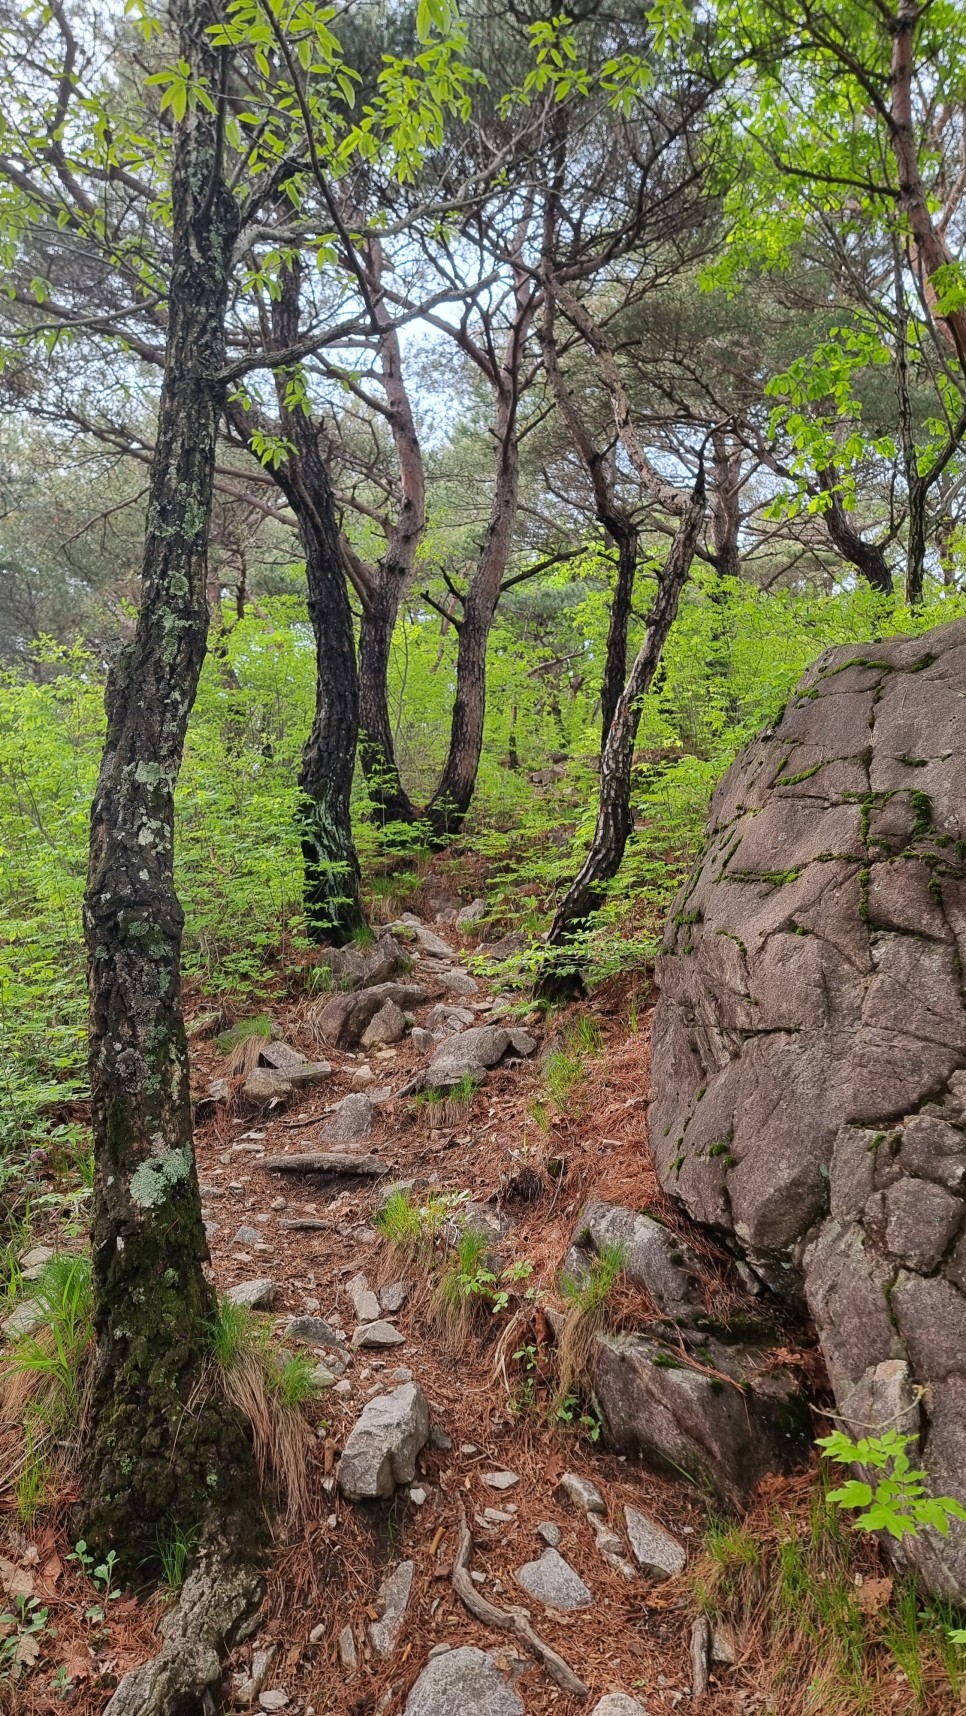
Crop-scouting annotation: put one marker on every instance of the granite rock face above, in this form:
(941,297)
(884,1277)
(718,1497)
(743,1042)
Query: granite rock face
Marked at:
(809,1051)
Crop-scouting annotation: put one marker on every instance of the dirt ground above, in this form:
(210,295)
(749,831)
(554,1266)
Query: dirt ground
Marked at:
(635,1637)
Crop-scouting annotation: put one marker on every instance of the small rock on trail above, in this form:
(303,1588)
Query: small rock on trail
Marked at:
(553,1581)
(382,1447)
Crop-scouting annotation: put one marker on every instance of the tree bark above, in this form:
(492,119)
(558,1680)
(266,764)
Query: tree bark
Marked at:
(561,976)
(331,876)
(162,1451)
(447,808)
(725,511)
(867,557)
(392,576)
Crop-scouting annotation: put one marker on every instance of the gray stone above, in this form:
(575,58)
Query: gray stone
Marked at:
(426,939)
(445,1020)
(254,1295)
(618,1704)
(459,982)
(463,1682)
(382,1447)
(265,1084)
(656,1552)
(377,1334)
(313,1332)
(726,1438)
(522,1043)
(501,1480)
(423,1041)
(655,1257)
(352,1120)
(467,1055)
(324,1377)
(247,1236)
(393,1296)
(471,914)
(553,1581)
(583,1493)
(364,1301)
(34,1262)
(362,968)
(549,1533)
(348,1654)
(343,1020)
(391,1604)
(26,1317)
(386,1027)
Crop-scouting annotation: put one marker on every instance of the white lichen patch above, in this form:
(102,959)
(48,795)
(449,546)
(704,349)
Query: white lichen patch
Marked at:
(152,1181)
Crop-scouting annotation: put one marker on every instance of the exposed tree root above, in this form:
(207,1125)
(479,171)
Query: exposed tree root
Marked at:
(219,1595)
(513,1620)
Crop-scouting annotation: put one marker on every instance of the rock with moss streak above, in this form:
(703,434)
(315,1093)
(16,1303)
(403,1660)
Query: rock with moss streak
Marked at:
(809,1044)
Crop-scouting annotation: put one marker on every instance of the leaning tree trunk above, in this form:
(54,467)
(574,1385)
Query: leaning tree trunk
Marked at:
(867,557)
(377,750)
(162,1452)
(561,976)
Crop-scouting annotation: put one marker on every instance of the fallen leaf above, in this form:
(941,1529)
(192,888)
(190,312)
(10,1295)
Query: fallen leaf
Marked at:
(51,1571)
(28,1650)
(15,1580)
(873,1595)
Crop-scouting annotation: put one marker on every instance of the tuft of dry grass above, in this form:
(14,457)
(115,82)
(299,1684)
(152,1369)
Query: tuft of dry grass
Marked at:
(243,1044)
(586,1300)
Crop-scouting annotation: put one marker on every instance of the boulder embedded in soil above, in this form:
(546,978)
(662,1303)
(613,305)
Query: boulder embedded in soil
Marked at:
(463,1682)
(253,1295)
(391,1604)
(385,1028)
(467,1055)
(471,914)
(377,1334)
(809,1043)
(725,1435)
(426,939)
(364,967)
(618,1704)
(655,1258)
(268,1084)
(352,1120)
(656,1552)
(364,1301)
(343,1020)
(382,1446)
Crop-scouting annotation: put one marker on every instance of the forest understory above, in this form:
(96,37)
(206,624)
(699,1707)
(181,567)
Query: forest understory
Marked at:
(811,1616)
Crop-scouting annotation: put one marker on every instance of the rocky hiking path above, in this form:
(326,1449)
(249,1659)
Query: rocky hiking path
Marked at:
(468,1552)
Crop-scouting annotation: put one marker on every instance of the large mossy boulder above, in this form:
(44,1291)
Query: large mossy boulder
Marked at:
(809,1053)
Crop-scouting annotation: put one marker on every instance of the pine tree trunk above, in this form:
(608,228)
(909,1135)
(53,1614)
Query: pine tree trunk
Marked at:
(615,662)
(162,1450)
(333,908)
(447,808)
(331,877)
(561,977)
(377,751)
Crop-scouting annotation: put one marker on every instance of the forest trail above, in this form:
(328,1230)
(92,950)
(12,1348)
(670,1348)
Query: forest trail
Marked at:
(491,1409)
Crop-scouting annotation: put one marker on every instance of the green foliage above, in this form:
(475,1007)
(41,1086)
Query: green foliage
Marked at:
(295,1381)
(19,1642)
(230,1332)
(174,1553)
(54,1356)
(899,1502)
(589,1295)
